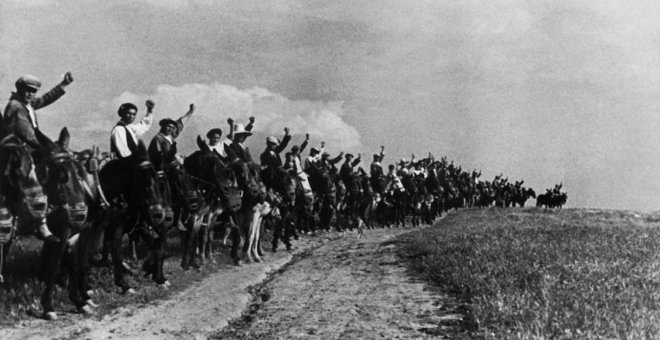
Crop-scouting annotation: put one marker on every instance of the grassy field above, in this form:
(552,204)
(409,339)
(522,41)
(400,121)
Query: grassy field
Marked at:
(535,274)
(21,292)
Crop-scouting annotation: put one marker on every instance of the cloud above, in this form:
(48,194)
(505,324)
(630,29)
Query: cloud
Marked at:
(21,4)
(217,102)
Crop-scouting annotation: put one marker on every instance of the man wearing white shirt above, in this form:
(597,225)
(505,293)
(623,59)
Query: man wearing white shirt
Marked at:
(124,138)
(313,158)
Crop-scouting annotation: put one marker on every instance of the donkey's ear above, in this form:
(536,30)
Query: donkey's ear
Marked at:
(141,151)
(202,145)
(63,141)
(44,140)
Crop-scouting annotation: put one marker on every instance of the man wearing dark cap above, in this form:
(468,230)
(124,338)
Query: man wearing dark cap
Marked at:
(346,172)
(163,142)
(271,156)
(377,174)
(313,158)
(20,119)
(124,136)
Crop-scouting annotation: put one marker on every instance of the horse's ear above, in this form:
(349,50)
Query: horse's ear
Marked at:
(202,145)
(141,153)
(63,141)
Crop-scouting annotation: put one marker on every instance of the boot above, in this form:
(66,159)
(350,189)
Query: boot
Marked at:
(44,234)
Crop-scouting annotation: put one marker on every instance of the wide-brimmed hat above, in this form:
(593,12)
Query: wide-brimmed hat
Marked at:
(272,140)
(215,131)
(28,81)
(349,155)
(240,130)
(167,121)
(325,155)
(314,150)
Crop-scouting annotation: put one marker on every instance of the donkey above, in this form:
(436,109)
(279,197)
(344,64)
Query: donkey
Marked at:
(59,202)
(131,186)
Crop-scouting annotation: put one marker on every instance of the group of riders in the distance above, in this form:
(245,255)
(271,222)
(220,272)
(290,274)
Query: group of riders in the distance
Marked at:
(84,202)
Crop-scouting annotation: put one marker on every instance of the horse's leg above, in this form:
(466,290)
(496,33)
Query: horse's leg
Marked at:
(235,233)
(73,255)
(158,257)
(251,233)
(116,234)
(209,238)
(54,253)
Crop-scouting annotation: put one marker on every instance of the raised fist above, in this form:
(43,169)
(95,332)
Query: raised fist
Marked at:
(382,148)
(307,136)
(150,105)
(230,121)
(68,79)
(252,120)
(286,130)
(192,108)
(322,144)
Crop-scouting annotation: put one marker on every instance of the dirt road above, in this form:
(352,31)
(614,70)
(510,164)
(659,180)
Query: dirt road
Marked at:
(331,287)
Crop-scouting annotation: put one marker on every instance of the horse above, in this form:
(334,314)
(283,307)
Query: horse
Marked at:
(221,199)
(254,207)
(283,185)
(58,201)
(325,190)
(131,186)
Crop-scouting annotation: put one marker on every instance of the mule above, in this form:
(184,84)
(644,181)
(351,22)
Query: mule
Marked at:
(131,186)
(56,198)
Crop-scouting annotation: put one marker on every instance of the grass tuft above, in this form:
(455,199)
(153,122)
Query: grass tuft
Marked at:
(530,273)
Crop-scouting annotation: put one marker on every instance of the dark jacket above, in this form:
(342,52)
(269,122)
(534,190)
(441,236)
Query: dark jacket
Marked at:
(272,158)
(17,118)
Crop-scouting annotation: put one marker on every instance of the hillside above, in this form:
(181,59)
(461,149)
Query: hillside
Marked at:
(531,273)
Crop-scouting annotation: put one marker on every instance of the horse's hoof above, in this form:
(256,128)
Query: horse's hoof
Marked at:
(87,310)
(90,292)
(129,291)
(167,283)
(257,259)
(50,316)
(91,303)
(237,263)
(163,286)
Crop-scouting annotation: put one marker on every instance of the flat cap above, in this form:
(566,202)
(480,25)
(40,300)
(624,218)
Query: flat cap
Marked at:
(215,131)
(28,81)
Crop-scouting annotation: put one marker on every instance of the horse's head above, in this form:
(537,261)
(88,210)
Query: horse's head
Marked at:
(64,183)
(134,179)
(284,184)
(248,181)
(182,187)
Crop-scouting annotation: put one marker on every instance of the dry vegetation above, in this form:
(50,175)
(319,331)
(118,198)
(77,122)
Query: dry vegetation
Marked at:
(20,294)
(535,274)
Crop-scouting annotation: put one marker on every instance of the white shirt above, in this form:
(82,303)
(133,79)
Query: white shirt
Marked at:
(135,130)
(220,147)
(33,117)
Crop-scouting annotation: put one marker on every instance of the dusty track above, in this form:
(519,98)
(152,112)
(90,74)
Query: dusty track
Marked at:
(331,287)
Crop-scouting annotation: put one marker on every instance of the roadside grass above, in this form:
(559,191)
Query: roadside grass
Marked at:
(21,292)
(556,274)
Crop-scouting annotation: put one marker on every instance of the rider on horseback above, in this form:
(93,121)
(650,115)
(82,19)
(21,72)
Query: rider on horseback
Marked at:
(20,119)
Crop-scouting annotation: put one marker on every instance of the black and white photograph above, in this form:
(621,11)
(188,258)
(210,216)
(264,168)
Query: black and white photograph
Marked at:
(347,169)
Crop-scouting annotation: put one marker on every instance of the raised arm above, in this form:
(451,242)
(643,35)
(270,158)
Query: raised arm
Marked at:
(54,94)
(230,135)
(285,141)
(304,144)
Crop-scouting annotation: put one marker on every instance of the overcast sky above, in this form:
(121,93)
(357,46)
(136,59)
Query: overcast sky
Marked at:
(545,91)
